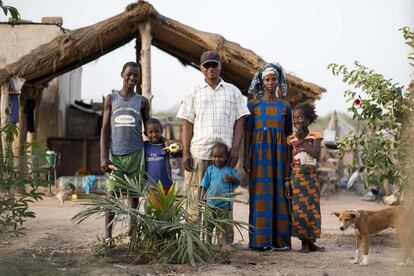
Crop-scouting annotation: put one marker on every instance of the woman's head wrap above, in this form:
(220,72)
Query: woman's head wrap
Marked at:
(256,89)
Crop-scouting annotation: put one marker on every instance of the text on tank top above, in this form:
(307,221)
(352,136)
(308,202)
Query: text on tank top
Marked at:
(126,124)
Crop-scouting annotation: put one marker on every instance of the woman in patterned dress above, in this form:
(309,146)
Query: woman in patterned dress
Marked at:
(266,152)
(305,149)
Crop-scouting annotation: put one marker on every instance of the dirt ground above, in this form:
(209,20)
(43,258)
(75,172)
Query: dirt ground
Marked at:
(54,245)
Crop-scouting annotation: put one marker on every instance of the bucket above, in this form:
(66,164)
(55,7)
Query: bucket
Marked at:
(50,158)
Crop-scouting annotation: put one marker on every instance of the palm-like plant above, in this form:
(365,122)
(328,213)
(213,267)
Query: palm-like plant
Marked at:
(162,229)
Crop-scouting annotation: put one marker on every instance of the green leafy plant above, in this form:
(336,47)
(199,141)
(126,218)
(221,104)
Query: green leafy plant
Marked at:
(14,13)
(18,189)
(406,154)
(163,230)
(382,109)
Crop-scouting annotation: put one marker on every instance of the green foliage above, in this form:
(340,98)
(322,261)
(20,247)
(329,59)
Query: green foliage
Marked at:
(163,231)
(14,209)
(383,109)
(409,40)
(14,13)
(406,153)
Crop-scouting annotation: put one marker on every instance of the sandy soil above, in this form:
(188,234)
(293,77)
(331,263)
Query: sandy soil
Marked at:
(55,246)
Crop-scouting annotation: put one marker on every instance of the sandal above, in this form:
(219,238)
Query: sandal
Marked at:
(109,242)
(265,248)
(313,247)
(283,248)
(305,247)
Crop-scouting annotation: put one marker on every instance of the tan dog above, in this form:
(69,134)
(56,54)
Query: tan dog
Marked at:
(367,223)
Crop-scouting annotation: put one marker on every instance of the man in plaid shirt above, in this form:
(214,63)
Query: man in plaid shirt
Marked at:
(214,112)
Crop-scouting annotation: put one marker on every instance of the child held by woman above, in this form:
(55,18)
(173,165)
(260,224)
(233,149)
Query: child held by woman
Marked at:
(305,148)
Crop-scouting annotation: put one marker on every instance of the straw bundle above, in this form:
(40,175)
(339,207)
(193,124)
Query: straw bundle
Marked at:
(78,47)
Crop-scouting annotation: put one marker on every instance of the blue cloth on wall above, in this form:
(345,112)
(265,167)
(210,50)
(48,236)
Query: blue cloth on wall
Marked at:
(14,108)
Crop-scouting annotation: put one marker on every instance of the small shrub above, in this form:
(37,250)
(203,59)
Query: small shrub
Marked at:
(162,230)
(18,189)
(384,110)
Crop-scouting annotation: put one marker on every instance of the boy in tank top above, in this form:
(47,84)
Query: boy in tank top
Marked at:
(121,136)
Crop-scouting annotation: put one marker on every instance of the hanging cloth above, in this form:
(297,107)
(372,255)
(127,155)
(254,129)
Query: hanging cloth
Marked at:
(14,108)
(14,87)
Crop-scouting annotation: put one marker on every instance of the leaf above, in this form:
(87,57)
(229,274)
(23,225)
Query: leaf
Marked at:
(190,252)
(13,11)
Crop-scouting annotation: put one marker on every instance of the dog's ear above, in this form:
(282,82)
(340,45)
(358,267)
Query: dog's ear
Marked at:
(335,213)
(355,214)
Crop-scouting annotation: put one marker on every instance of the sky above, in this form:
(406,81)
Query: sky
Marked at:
(303,36)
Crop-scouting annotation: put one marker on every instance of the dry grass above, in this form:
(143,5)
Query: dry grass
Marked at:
(78,47)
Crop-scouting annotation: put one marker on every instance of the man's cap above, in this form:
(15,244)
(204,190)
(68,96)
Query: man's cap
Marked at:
(209,56)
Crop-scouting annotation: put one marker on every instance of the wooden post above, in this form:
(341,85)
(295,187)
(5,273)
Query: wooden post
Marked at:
(18,144)
(85,154)
(3,117)
(145,33)
(38,98)
(340,161)
(138,59)
(32,136)
(5,113)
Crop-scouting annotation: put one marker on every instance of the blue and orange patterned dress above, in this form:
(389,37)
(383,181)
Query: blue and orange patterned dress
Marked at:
(270,123)
(306,212)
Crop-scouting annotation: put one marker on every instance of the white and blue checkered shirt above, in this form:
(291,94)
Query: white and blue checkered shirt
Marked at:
(213,113)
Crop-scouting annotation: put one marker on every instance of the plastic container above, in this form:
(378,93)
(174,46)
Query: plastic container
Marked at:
(50,158)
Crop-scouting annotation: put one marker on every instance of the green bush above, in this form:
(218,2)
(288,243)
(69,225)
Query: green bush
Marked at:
(384,111)
(18,189)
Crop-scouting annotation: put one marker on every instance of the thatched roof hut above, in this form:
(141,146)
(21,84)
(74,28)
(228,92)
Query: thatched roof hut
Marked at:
(78,47)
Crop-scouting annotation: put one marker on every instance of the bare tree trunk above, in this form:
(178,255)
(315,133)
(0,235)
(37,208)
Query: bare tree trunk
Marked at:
(2,87)
(145,34)
(386,187)
(5,116)
(138,47)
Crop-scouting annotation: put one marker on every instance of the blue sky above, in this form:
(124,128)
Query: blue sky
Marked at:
(304,36)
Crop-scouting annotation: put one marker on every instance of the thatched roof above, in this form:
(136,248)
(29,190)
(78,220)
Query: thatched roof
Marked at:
(78,47)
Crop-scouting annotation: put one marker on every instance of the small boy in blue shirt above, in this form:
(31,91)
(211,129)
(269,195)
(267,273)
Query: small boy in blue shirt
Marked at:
(219,179)
(157,157)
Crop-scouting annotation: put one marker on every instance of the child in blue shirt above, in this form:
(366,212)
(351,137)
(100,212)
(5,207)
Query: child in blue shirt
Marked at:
(157,157)
(219,179)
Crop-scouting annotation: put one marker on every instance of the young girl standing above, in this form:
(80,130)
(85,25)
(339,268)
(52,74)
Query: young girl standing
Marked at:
(305,148)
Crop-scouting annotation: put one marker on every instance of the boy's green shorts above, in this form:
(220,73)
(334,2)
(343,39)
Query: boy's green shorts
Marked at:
(129,165)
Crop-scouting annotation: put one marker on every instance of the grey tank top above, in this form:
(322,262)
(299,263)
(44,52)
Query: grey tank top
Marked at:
(126,124)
